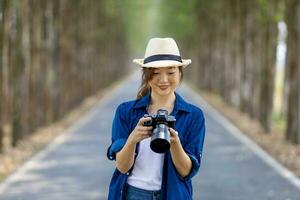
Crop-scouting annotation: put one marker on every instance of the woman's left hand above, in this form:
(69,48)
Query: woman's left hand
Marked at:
(181,160)
(174,136)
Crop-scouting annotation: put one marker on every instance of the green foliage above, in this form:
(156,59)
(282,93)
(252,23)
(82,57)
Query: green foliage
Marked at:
(156,18)
(271,10)
(178,18)
(13,3)
(137,23)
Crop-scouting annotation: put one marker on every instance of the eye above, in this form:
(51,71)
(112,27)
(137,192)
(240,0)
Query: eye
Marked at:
(171,73)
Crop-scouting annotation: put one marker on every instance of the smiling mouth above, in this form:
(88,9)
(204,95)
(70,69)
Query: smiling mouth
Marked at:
(163,87)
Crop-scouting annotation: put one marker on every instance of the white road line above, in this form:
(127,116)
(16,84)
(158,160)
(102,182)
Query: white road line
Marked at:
(32,162)
(233,130)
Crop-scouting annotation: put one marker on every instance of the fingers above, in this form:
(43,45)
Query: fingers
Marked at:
(144,128)
(141,135)
(142,132)
(174,137)
(173,132)
(144,119)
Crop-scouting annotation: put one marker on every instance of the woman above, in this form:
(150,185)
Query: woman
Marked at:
(140,172)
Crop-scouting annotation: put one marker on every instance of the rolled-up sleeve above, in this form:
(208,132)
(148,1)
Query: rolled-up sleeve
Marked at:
(120,132)
(194,145)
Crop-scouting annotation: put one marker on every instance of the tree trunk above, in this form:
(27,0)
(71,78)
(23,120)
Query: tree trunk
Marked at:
(293,70)
(2,11)
(267,75)
(6,101)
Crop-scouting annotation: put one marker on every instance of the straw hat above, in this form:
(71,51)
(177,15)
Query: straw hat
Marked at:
(162,52)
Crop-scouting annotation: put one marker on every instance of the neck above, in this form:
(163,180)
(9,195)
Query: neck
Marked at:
(162,101)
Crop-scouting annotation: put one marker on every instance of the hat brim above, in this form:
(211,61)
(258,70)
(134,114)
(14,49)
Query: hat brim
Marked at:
(163,63)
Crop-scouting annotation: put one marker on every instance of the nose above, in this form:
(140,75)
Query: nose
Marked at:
(163,78)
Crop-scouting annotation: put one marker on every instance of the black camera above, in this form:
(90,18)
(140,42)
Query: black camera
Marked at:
(160,139)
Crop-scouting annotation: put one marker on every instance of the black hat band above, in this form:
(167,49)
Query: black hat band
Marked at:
(162,57)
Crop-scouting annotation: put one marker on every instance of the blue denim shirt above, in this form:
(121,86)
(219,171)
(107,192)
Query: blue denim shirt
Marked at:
(191,128)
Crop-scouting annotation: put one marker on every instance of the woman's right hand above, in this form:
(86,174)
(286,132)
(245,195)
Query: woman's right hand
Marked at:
(140,132)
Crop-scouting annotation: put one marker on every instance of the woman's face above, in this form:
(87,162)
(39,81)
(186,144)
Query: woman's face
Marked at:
(165,80)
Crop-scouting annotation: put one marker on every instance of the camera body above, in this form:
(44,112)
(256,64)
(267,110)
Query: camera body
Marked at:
(160,139)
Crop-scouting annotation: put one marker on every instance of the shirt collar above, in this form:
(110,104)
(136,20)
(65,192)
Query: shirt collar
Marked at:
(180,103)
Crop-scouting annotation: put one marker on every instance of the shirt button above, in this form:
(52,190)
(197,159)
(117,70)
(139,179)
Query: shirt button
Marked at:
(127,173)
(111,157)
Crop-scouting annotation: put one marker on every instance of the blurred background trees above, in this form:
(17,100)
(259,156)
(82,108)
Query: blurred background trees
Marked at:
(55,53)
(233,45)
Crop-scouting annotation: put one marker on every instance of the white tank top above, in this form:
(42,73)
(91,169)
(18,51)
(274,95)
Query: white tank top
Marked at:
(147,169)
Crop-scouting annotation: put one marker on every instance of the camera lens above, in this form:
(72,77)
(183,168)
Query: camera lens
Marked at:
(160,140)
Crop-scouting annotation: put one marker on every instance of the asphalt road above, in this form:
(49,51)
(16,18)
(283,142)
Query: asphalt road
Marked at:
(74,166)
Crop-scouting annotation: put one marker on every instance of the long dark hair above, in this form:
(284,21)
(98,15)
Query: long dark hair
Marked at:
(146,77)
